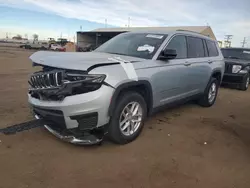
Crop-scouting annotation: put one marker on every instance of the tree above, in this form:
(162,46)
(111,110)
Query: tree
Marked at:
(35,37)
(17,37)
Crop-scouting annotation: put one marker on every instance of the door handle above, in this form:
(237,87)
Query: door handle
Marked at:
(209,61)
(187,63)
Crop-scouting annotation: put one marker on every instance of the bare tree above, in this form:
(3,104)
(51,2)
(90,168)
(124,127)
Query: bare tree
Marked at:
(35,37)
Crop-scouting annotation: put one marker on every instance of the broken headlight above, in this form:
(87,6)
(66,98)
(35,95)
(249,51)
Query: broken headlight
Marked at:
(83,83)
(84,78)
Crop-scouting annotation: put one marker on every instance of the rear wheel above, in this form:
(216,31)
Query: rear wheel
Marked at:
(244,85)
(210,94)
(128,118)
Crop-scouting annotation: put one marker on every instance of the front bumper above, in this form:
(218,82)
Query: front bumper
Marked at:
(89,139)
(84,112)
(230,78)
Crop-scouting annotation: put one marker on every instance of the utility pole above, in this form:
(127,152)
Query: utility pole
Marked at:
(106,23)
(244,42)
(227,41)
(128,21)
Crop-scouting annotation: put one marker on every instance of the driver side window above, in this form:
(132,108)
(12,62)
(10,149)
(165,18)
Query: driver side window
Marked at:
(179,44)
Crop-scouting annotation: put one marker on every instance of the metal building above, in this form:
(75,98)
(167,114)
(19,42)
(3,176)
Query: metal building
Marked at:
(91,39)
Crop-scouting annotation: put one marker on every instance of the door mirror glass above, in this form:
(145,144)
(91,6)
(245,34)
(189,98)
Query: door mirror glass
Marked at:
(168,54)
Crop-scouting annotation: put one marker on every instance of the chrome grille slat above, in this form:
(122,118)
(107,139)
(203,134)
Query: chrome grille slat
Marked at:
(46,80)
(49,83)
(39,81)
(36,82)
(56,79)
(43,80)
(32,82)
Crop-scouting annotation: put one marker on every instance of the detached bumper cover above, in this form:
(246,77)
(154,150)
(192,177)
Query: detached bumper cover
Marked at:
(88,139)
(73,140)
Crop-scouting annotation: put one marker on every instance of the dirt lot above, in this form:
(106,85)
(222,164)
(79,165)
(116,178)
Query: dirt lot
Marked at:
(188,146)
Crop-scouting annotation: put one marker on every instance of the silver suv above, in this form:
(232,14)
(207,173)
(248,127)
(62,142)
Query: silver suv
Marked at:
(83,96)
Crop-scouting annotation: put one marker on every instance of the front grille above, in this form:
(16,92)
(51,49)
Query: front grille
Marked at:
(46,80)
(228,68)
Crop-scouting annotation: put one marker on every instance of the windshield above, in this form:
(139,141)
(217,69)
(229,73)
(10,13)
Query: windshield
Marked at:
(133,44)
(236,53)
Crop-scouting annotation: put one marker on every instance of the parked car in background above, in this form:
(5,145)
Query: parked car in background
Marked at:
(57,47)
(237,67)
(87,48)
(35,45)
(111,90)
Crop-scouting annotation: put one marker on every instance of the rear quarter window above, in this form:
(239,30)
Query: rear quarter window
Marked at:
(212,48)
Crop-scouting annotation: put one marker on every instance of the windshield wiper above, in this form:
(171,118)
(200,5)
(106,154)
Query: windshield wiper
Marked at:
(115,53)
(232,57)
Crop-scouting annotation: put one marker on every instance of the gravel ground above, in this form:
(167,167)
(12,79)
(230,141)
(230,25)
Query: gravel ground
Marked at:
(187,146)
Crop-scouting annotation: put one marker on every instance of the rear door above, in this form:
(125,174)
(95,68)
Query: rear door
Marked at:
(198,63)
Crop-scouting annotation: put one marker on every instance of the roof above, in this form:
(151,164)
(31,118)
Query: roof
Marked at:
(204,30)
(197,29)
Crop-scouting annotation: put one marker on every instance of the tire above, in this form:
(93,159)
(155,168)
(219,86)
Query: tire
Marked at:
(244,85)
(115,132)
(207,100)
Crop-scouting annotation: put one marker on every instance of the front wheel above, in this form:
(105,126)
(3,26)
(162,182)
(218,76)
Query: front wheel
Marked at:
(210,94)
(128,118)
(244,85)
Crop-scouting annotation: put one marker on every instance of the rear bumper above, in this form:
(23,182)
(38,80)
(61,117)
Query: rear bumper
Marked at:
(233,78)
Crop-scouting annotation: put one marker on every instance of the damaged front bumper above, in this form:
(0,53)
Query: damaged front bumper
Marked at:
(89,139)
(78,119)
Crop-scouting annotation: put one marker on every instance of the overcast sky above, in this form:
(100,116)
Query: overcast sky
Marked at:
(51,17)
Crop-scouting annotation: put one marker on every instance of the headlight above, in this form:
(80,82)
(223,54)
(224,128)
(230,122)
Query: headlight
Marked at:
(85,78)
(236,68)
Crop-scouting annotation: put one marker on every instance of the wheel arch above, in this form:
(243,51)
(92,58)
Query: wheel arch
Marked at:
(217,74)
(142,86)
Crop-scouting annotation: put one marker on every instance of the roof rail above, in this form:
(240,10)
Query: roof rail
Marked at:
(188,31)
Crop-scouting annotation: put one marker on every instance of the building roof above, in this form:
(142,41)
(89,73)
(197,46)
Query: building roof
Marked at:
(189,28)
(205,30)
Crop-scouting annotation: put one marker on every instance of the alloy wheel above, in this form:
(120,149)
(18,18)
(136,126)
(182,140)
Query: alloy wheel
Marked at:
(212,93)
(130,118)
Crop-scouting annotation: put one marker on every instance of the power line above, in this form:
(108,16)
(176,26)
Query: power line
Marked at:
(227,41)
(244,42)
(106,23)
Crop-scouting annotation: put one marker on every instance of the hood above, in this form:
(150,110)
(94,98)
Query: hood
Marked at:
(77,60)
(237,61)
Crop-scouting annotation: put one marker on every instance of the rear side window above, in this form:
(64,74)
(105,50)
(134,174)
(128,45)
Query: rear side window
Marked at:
(179,44)
(195,47)
(212,49)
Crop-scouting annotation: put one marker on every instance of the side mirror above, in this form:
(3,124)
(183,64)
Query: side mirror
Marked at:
(168,54)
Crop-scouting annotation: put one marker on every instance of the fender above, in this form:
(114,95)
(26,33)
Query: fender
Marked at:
(215,71)
(125,86)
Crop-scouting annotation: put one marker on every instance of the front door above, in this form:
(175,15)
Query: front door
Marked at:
(172,81)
